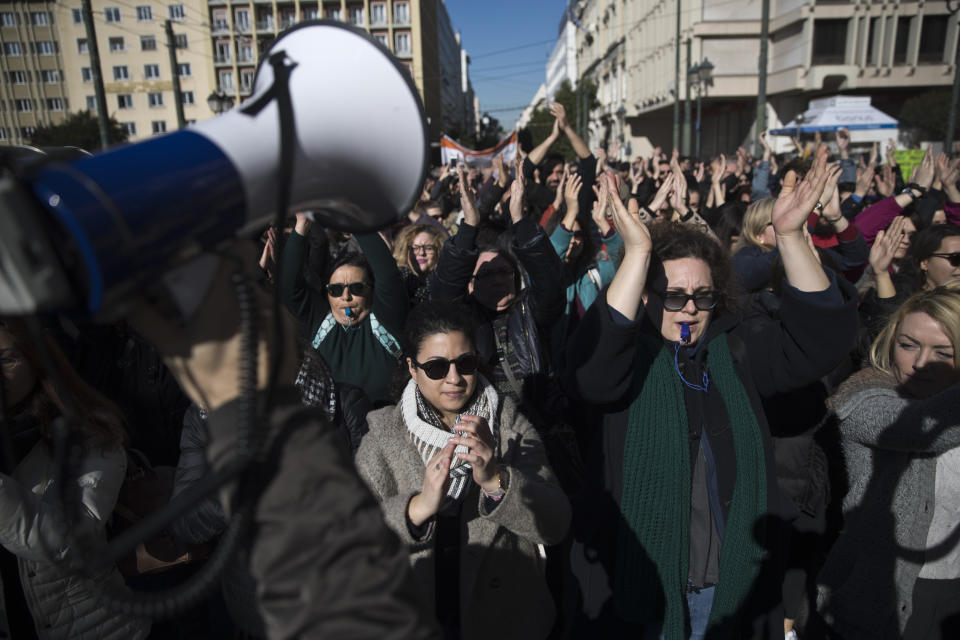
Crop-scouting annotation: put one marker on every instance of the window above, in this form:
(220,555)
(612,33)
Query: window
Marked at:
(186,98)
(177,12)
(334,13)
(77,16)
(226,81)
(829,41)
(241,18)
(873,42)
(3,133)
(222,51)
(131,128)
(151,71)
(55,104)
(125,101)
(180,41)
(144,14)
(18,77)
(401,43)
(155,99)
(378,13)
(111,14)
(86,73)
(116,44)
(82,46)
(23,104)
(158,126)
(148,43)
(46,47)
(183,70)
(401,13)
(382,39)
(933,35)
(40,18)
(8,19)
(310,14)
(50,76)
(91,103)
(244,50)
(356,16)
(12,49)
(121,73)
(246,79)
(27,132)
(901,42)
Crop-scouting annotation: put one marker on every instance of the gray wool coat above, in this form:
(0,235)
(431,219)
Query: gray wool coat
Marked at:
(503,593)
(890,446)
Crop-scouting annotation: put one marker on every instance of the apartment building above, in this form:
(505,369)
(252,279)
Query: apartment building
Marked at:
(33,87)
(54,64)
(886,49)
(418,32)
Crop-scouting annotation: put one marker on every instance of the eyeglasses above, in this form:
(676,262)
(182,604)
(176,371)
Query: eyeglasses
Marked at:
(702,300)
(423,248)
(335,290)
(437,368)
(952,258)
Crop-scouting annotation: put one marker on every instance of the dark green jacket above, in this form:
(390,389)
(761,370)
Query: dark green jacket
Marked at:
(356,356)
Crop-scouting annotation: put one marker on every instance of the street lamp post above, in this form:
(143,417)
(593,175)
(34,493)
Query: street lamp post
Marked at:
(702,74)
(219,102)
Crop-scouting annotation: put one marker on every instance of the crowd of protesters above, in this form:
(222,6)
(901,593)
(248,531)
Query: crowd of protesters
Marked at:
(660,398)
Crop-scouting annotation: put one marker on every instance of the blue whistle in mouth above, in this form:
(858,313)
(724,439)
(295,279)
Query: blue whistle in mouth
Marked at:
(349,312)
(685,333)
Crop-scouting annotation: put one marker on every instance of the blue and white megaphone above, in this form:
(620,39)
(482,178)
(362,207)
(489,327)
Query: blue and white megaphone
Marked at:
(84,234)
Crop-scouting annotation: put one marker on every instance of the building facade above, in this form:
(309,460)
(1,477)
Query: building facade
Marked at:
(46,69)
(887,50)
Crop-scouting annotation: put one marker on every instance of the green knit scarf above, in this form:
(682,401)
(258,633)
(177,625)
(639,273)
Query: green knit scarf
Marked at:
(654,533)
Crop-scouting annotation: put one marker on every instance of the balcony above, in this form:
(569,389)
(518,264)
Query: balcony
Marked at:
(220,26)
(241,26)
(265,25)
(222,60)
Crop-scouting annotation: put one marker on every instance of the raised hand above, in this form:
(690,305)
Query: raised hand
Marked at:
(874,153)
(503,178)
(843,142)
(767,151)
(885,245)
(700,173)
(635,235)
(886,182)
(925,170)
(558,112)
(558,197)
(468,200)
(602,190)
(436,482)
(571,193)
(791,210)
(678,197)
(662,194)
(717,167)
(865,179)
(517,191)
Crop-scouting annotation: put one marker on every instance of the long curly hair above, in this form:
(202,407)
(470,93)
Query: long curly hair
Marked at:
(404,240)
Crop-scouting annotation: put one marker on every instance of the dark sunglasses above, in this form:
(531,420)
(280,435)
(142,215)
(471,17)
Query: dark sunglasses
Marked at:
(356,289)
(952,258)
(437,368)
(702,300)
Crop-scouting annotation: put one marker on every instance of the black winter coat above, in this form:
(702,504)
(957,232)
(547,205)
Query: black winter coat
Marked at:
(783,356)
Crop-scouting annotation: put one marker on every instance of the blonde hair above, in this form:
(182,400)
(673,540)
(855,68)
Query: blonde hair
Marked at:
(941,303)
(401,246)
(755,220)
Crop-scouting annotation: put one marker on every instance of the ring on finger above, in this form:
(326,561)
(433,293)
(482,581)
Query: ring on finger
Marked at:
(818,206)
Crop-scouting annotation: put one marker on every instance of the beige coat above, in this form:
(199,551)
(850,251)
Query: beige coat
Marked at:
(503,594)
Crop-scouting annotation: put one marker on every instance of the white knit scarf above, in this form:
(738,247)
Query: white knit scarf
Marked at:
(429,435)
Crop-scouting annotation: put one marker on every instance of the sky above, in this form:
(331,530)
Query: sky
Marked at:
(508,42)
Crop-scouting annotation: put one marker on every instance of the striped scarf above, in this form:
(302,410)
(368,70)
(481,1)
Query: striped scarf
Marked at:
(429,434)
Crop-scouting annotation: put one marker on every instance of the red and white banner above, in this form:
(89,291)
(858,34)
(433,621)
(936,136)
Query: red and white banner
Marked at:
(506,147)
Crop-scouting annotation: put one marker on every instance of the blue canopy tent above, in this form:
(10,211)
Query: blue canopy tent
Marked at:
(866,123)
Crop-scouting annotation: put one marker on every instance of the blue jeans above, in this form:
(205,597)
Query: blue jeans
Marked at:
(700,605)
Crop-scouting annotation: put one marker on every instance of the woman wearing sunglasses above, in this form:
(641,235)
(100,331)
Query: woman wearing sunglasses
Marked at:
(672,531)
(354,323)
(894,571)
(932,259)
(416,250)
(463,479)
